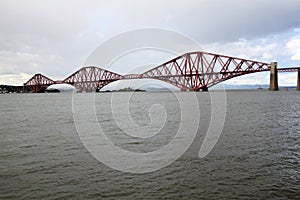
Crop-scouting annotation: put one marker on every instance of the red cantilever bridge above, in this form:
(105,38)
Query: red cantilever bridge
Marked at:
(191,71)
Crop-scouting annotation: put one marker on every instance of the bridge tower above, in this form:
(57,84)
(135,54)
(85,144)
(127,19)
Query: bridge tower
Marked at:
(298,80)
(274,76)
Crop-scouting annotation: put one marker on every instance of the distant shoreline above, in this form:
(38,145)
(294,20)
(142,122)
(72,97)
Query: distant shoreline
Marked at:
(19,89)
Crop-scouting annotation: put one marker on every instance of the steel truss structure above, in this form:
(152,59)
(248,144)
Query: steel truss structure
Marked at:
(191,71)
(38,83)
(291,69)
(90,79)
(201,70)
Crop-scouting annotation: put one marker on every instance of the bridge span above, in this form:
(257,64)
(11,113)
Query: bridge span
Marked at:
(194,71)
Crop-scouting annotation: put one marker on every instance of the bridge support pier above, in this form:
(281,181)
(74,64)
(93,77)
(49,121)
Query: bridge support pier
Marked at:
(205,89)
(298,81)
(273,76)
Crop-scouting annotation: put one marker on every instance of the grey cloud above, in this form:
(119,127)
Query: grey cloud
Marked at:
(207,20)
(63,33)
(210,20)
(228,20)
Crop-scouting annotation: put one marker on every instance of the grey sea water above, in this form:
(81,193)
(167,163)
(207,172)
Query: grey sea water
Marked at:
(257,155)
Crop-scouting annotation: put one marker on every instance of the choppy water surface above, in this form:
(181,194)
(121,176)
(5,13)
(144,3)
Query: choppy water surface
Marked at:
(257,155)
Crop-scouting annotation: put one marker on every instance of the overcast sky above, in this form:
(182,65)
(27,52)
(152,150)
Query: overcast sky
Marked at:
(55,37)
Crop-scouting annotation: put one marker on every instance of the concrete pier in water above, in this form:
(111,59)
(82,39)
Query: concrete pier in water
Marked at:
(298,81)
(274,76)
